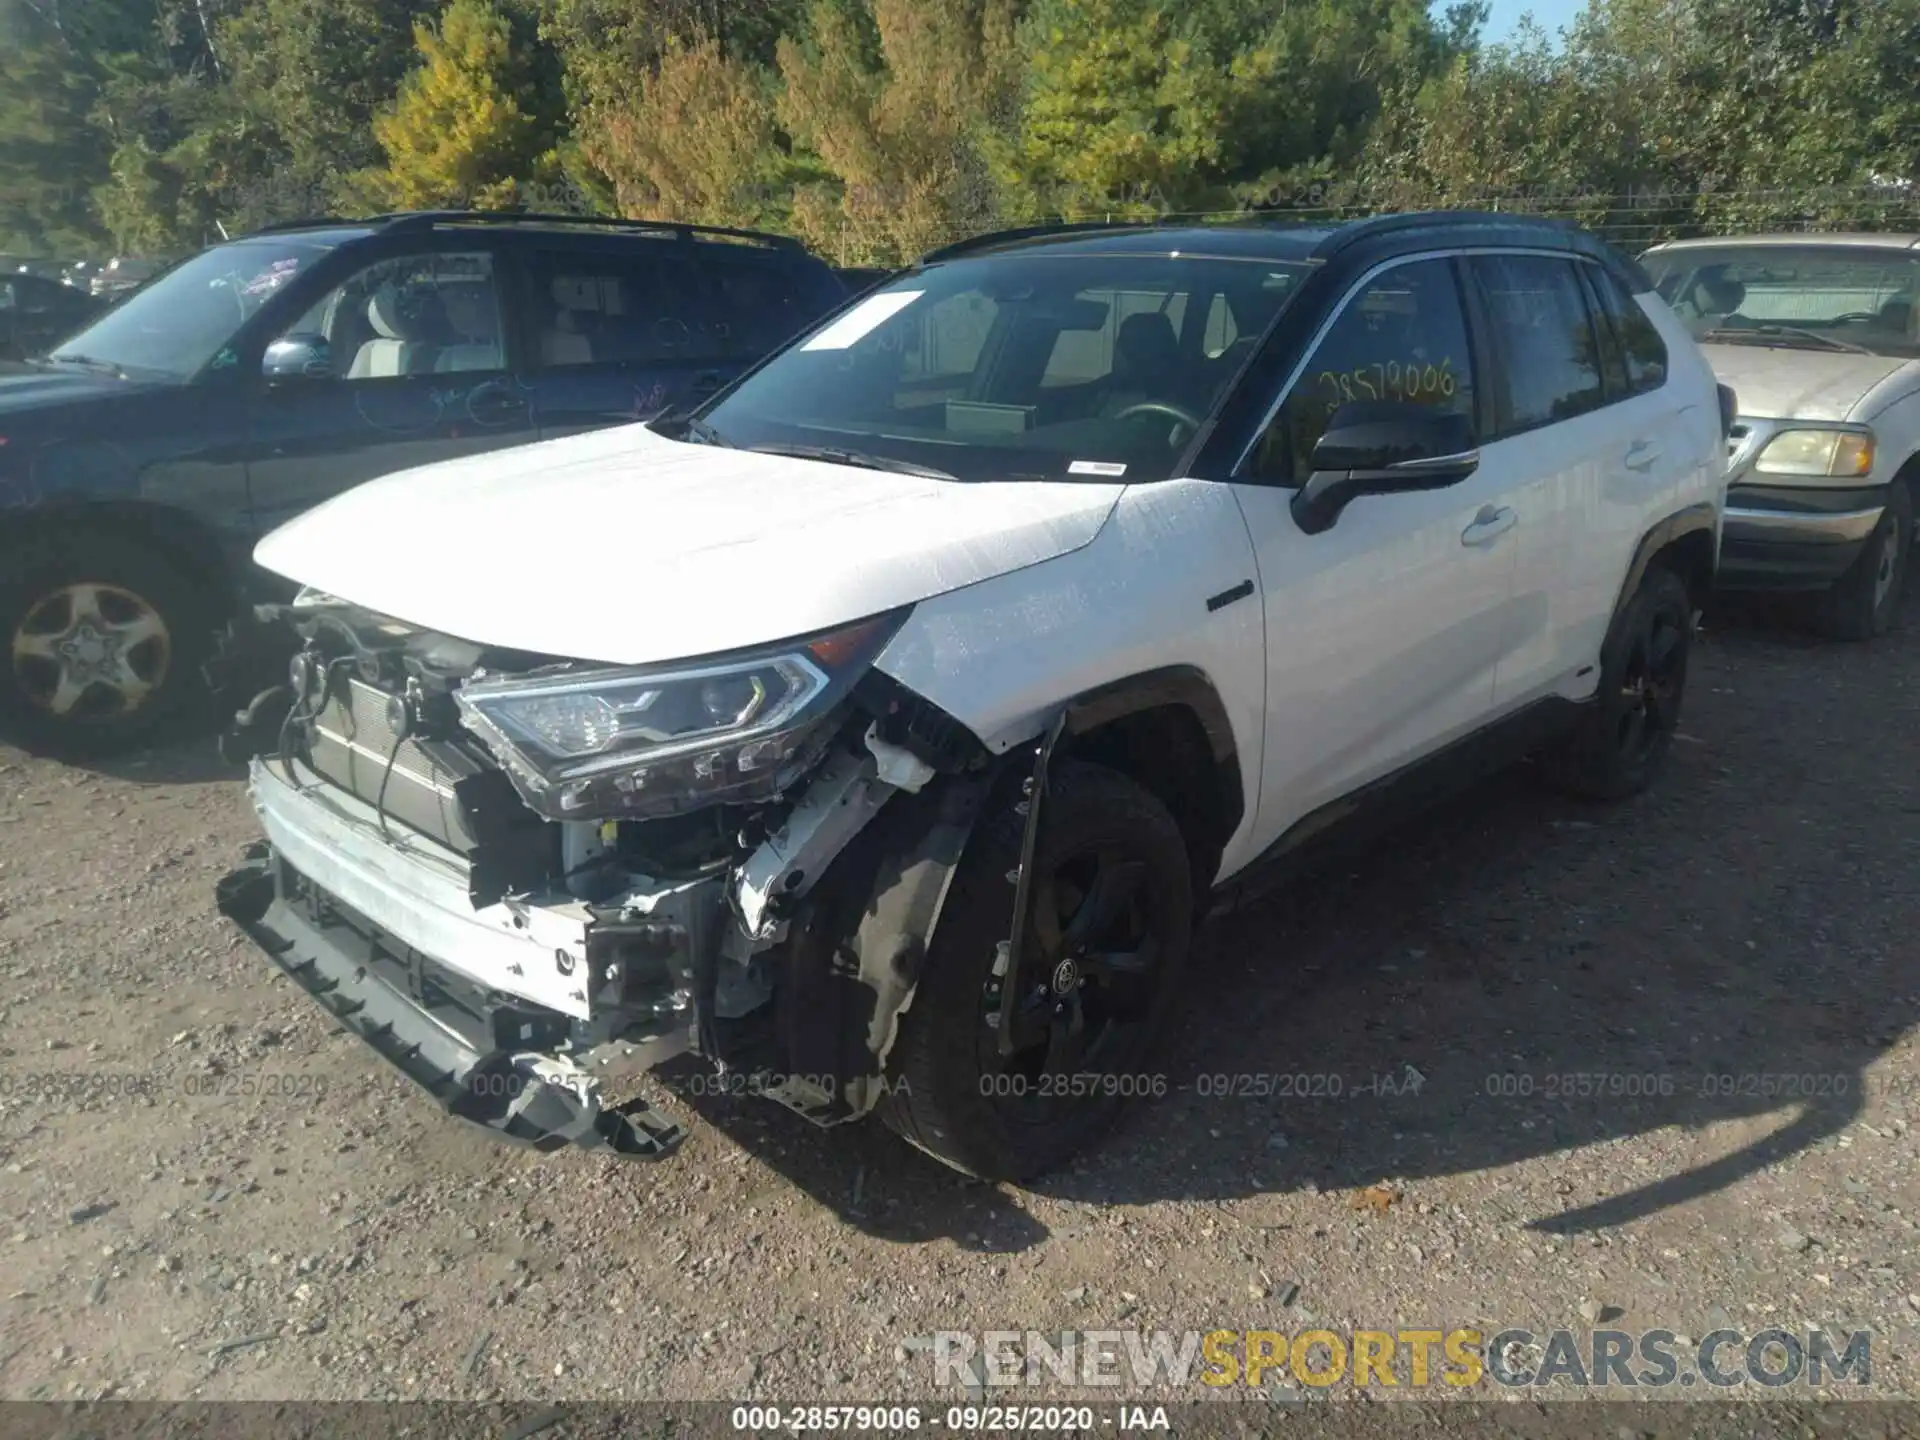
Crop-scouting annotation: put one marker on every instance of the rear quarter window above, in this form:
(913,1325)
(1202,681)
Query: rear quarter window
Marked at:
(1639,337)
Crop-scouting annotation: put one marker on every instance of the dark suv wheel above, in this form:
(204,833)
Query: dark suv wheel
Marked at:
(105,640)
(1621,743)
(1112,902)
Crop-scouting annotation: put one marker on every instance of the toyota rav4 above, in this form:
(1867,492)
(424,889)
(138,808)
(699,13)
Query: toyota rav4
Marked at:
(882,729)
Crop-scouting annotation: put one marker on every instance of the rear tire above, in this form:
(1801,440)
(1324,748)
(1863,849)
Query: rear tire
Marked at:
(1622,741)
(1865,603)
(1093,998)
(105,642)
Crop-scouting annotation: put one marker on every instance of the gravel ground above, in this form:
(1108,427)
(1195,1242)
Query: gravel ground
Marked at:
(1755,916)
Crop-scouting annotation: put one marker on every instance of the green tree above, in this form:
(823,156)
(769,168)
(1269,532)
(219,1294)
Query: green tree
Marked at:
(697,141)
(50,151)
(308,77)
(1137,106)
(898,103)
(471,126)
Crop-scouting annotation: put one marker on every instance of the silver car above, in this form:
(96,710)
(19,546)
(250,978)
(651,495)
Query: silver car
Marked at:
(1819,335)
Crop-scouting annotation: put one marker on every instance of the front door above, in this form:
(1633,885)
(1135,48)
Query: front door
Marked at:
(1385,632)
(411,362)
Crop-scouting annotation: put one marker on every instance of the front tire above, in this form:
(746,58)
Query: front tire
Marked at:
(1865,603)
(1620,745)
(105,639)
(1113,916)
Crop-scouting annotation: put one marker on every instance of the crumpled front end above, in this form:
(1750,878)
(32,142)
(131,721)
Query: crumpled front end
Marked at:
(417,878)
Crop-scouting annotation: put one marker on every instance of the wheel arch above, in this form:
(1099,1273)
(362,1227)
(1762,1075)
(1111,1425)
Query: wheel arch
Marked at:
(1168,731)
(853,959)
(1686,542)
(184,539)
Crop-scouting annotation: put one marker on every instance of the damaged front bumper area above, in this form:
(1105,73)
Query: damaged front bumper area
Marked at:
(791,965)
(489,1010)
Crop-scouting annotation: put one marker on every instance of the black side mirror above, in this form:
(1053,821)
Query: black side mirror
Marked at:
(1383,447)
(298,357)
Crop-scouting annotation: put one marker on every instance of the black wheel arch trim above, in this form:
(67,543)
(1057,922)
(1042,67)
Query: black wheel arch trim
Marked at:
(1173,686)
(1692,520)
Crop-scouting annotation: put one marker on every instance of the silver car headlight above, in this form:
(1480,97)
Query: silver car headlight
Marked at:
(1818,454)
(589,744)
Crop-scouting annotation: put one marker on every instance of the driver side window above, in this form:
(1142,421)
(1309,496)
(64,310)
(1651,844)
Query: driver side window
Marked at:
(436,314)
(1401,337)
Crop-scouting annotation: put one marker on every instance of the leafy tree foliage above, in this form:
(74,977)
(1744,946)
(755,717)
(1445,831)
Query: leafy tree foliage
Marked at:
(697,142)
(899,116)
(469,126)
(875,128)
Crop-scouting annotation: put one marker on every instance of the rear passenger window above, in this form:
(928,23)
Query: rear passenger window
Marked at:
(1646,352)
(1547,340)
(598,308)
(762,303)
(1404,337)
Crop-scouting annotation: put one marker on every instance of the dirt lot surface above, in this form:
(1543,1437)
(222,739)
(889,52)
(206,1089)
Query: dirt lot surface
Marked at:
(1650,1066)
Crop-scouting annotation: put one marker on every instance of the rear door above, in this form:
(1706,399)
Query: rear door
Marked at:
(624,332)
(421,369)
(1590,439)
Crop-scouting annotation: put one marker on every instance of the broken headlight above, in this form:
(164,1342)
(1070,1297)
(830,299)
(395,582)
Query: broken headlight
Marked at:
(660,740)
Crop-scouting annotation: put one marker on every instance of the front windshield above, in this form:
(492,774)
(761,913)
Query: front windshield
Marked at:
(175,326)
(1839,297)
(1038,367)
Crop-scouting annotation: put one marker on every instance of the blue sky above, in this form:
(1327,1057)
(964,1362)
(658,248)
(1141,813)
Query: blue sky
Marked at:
(1552,15)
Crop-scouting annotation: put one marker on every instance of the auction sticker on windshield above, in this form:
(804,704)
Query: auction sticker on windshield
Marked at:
(863,319)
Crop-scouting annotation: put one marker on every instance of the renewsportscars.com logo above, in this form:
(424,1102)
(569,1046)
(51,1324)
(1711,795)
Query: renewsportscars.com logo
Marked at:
(1408,1359)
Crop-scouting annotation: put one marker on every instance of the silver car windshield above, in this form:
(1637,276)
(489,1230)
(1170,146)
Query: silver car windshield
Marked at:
(1837,297)
(1068,367)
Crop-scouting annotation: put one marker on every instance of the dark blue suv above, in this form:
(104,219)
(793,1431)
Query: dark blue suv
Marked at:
(143,457)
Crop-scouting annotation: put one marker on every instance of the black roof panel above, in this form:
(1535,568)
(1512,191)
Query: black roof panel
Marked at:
(1259,238)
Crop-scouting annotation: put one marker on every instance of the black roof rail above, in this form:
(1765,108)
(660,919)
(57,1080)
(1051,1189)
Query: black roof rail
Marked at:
(1353,232)
(305,222)
(423,219)
(1030,232)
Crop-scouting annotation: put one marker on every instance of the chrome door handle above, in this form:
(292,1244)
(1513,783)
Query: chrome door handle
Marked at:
(1489,525)
(1643,456)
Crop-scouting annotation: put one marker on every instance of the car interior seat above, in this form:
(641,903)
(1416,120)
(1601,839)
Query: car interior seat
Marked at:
(565,340)
(473,330)
(1146,361)
(1717,300)
(397,343)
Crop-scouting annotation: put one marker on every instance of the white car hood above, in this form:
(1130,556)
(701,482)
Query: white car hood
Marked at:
(1796,384)
(627,548)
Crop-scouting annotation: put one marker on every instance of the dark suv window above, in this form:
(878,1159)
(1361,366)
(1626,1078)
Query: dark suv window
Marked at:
(1547,341)
(1645,352)
(1403,337)
(657,305)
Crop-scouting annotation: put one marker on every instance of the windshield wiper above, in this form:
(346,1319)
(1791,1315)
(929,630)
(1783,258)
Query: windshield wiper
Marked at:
(865,460)
(1764,333)
(87,362)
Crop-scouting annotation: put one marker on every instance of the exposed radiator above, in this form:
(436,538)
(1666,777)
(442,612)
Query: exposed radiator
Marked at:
(352,740)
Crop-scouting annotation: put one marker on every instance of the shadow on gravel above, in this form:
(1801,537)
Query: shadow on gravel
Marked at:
(188,762)
(1517,976)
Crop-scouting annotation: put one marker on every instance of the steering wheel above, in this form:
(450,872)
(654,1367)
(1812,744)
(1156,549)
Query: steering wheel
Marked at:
(1161,407)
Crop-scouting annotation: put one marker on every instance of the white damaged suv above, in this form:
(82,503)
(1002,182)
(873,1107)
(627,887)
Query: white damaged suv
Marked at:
(883,730)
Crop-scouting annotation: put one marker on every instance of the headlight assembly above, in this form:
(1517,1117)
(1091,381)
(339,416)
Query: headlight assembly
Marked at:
(1824,454)
(582,744)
